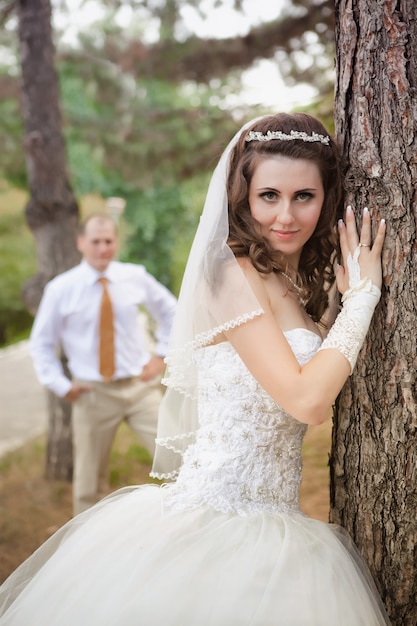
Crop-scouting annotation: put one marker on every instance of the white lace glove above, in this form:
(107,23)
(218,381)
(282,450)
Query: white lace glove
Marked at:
(351,325)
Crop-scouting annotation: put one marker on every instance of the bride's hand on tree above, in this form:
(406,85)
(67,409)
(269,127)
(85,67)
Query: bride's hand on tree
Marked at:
(368,254)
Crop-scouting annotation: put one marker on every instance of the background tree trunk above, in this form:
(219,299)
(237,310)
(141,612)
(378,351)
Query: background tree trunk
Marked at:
(52,211)
(374,453)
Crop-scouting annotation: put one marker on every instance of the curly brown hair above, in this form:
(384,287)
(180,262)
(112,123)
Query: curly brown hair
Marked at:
(315,272)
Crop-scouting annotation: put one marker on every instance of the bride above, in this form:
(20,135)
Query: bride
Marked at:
(251,364)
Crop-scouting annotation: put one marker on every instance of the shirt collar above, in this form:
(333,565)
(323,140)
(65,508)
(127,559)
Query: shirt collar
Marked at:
(92,275)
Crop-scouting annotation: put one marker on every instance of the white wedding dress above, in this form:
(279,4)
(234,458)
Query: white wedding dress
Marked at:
(225,545)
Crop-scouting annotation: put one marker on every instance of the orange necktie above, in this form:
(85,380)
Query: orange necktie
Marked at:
(106,334)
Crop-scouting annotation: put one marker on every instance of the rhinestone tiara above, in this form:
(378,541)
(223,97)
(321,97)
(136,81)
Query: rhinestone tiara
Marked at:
(254,135)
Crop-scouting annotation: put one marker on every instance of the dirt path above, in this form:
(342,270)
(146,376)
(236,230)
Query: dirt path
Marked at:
(22,398)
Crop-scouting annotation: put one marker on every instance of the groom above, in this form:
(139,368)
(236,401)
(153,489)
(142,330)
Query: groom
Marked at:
(92,312)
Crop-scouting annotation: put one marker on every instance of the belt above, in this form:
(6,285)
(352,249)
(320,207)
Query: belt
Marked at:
(124,381)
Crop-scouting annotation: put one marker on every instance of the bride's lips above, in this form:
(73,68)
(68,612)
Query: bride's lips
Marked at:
(284,235)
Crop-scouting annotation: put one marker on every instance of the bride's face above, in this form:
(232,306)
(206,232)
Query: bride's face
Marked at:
(286,197)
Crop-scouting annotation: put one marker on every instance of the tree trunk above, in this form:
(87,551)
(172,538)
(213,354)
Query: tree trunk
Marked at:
(374,452)
(59,465)
(52,211)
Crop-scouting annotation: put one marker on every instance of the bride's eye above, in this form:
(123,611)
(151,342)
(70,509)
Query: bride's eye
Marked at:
(304,196)
(269,195)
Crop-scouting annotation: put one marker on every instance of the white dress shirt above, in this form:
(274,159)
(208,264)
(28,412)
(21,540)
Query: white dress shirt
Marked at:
(68,315)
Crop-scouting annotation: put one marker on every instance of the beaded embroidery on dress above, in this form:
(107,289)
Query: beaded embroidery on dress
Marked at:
(247,456)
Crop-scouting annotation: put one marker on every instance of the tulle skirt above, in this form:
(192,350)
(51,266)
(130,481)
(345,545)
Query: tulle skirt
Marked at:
(131,561)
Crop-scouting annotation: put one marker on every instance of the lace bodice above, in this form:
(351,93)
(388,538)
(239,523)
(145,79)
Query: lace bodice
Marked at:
(247,454)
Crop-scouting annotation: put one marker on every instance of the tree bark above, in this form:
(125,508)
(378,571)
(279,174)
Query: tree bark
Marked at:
(59,457)
(374,450)
(52,211)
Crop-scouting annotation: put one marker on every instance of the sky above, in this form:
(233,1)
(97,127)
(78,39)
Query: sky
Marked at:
(262,84)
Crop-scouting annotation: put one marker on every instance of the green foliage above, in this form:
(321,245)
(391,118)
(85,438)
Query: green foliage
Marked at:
(193,193)
(17,263)
(123,463)
(146,132)
(86,123)
(161,226)
(12,163)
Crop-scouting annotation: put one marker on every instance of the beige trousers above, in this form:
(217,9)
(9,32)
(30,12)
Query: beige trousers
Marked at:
(95,418)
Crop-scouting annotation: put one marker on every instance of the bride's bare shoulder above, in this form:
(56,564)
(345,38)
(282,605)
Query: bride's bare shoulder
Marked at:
(249,270)
(247,267)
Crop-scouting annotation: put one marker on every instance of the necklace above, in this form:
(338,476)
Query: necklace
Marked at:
(297,288)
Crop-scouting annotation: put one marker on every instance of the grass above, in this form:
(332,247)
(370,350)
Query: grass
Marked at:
(32,508)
